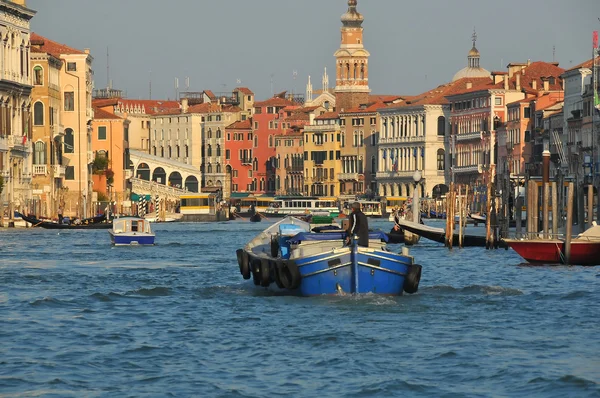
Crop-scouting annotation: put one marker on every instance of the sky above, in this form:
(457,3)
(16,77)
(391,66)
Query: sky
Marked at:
(415,45)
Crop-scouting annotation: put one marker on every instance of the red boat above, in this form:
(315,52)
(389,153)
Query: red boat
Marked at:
(585,249)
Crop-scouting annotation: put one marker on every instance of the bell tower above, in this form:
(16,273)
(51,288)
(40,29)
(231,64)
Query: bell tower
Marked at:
(352,62)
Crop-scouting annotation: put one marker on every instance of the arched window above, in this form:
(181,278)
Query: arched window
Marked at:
(270,141)
(373,164)
(441,126)
(154,150)
(256,141)
(187,153)
(162,152)
(69,141)
(255,165)
(209,169)
(209,133)
(39,153)
(170,152)
(218,150)
(209,150)
(218,168)
(177,151)
(362,72)
(441,160)
(219,133)
(354,75)
(38,76)
(38,113)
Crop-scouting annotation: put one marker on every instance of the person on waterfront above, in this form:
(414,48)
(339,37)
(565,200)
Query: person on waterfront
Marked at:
(398,215)
(359,225)
(60,214)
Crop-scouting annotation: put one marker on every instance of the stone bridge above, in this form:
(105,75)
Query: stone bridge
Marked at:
(143,187)
(166,172)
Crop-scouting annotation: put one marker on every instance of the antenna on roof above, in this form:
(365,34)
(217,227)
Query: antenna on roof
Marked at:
(187,83)
(553,53)
(107,69)
(150,96)
(294,76)
(272,76)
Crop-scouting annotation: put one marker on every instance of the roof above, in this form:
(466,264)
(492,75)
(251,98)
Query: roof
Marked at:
(244,90)
(532,72)
(241,125)
(586,64)
(328,116)
(366,108)
(386,98)
(274,101)
(102,114)
(51,47)
(437,96)
(151,107)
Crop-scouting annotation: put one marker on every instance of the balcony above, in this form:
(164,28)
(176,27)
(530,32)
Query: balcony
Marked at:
(246,161)
(475,135)
(348,176)
(401,140)
(58,130)
(26,176)
(395,174)
(40,169)
(477,168)
(294,169)
(59,170)
(327,128)
(16,143)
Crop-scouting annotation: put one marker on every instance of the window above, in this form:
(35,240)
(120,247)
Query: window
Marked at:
(441,126)
(71,66)
(498,101)
(69,101)
(38,114)
(441,160)
(218,150)
(209,150)
(70,173)
(38,76)
(228,154)
(527,113)
(69,141)
(102,132)
(39,153)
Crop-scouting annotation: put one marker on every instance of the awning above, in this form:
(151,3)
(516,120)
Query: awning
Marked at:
(135,197)
(239,195)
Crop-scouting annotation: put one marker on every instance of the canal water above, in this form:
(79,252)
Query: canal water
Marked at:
(81,318)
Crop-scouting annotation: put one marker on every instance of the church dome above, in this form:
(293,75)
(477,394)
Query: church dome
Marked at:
(473,69)
(474,52)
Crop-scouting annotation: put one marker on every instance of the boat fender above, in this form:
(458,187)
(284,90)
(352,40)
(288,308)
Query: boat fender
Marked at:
(256,271)
(412,279)
(277,277)
(274,247)
(265,273)
(290,275)
(243,262)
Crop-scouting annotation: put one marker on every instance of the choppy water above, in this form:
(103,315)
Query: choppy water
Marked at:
(81,318)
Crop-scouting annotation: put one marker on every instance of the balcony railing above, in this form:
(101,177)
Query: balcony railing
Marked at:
(469,136)
(40,169)
(59,170)
(246,161)
(348,176)
(399,140)
(395,174)
(321,128)
(476,168)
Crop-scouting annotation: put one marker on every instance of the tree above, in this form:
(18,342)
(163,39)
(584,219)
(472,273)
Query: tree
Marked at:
(100,164)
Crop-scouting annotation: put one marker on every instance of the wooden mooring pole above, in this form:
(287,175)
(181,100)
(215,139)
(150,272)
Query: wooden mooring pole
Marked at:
(569,226)
(555,215)
(546,199)
(590,205)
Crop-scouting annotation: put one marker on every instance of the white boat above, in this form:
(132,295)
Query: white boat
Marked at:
(131,231)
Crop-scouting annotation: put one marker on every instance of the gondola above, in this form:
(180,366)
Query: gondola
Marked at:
(98,222)
(256,217)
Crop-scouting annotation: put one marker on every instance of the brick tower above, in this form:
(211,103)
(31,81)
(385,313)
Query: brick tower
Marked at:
(352,62)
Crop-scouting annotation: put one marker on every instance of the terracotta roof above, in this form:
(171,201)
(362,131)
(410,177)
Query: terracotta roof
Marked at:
(366,108)
(210,94)
(101,103)
(244,90)
(206,107)
(437,96)
(587,64)
(535,71)
(241,125)
(328,116)
(274,101)
(102,114)
(385,98)
(51,47)
(151,107)
(231,109)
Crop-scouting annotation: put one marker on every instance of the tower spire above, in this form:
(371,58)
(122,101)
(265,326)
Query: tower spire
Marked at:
(474,36)
(325,81)
(309,91)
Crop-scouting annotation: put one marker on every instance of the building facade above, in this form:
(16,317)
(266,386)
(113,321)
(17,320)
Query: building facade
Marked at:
(322,155)
(15,121)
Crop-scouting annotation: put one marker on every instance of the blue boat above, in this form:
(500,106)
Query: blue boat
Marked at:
(131,231)
(309,263)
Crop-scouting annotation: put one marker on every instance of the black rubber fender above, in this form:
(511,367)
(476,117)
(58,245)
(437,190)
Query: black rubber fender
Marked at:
(265,273)
(256,271)
(412,279)
(243,262)
(290,275)
(277,269)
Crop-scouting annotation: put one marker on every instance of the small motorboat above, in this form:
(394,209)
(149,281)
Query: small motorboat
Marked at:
(292,255)
(131,231)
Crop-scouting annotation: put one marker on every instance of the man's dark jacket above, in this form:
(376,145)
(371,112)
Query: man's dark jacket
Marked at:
(359,226)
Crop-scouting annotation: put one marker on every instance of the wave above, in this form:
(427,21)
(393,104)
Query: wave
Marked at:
(152,292)
(472,290)
(49,301)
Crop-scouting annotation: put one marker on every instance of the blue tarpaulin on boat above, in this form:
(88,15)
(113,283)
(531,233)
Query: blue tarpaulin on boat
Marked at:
(305,236)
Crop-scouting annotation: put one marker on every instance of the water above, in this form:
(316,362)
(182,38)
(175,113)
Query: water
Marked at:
(81,318)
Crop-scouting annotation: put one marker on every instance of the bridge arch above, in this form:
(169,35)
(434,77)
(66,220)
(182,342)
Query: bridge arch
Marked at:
(175,179)
(143,172)
(191,184)
(159,175)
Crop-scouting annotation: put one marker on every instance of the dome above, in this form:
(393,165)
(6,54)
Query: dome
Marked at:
(352,17)
(474,52)
(470,71)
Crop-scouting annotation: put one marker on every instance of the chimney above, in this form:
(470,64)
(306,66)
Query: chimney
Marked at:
(469,85)
(86,50)
(506,82)
(518,82)
(184,105)
(534,84)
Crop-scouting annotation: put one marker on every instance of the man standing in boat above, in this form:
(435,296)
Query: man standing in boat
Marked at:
(358,226)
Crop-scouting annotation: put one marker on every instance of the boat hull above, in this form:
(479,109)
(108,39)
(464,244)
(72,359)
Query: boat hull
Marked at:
(360,272)
(131,239)
(552,251)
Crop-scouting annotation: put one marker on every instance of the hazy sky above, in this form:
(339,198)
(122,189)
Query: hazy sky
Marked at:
(414,45)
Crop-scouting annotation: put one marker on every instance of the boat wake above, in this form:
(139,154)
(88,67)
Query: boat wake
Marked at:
(472,290)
